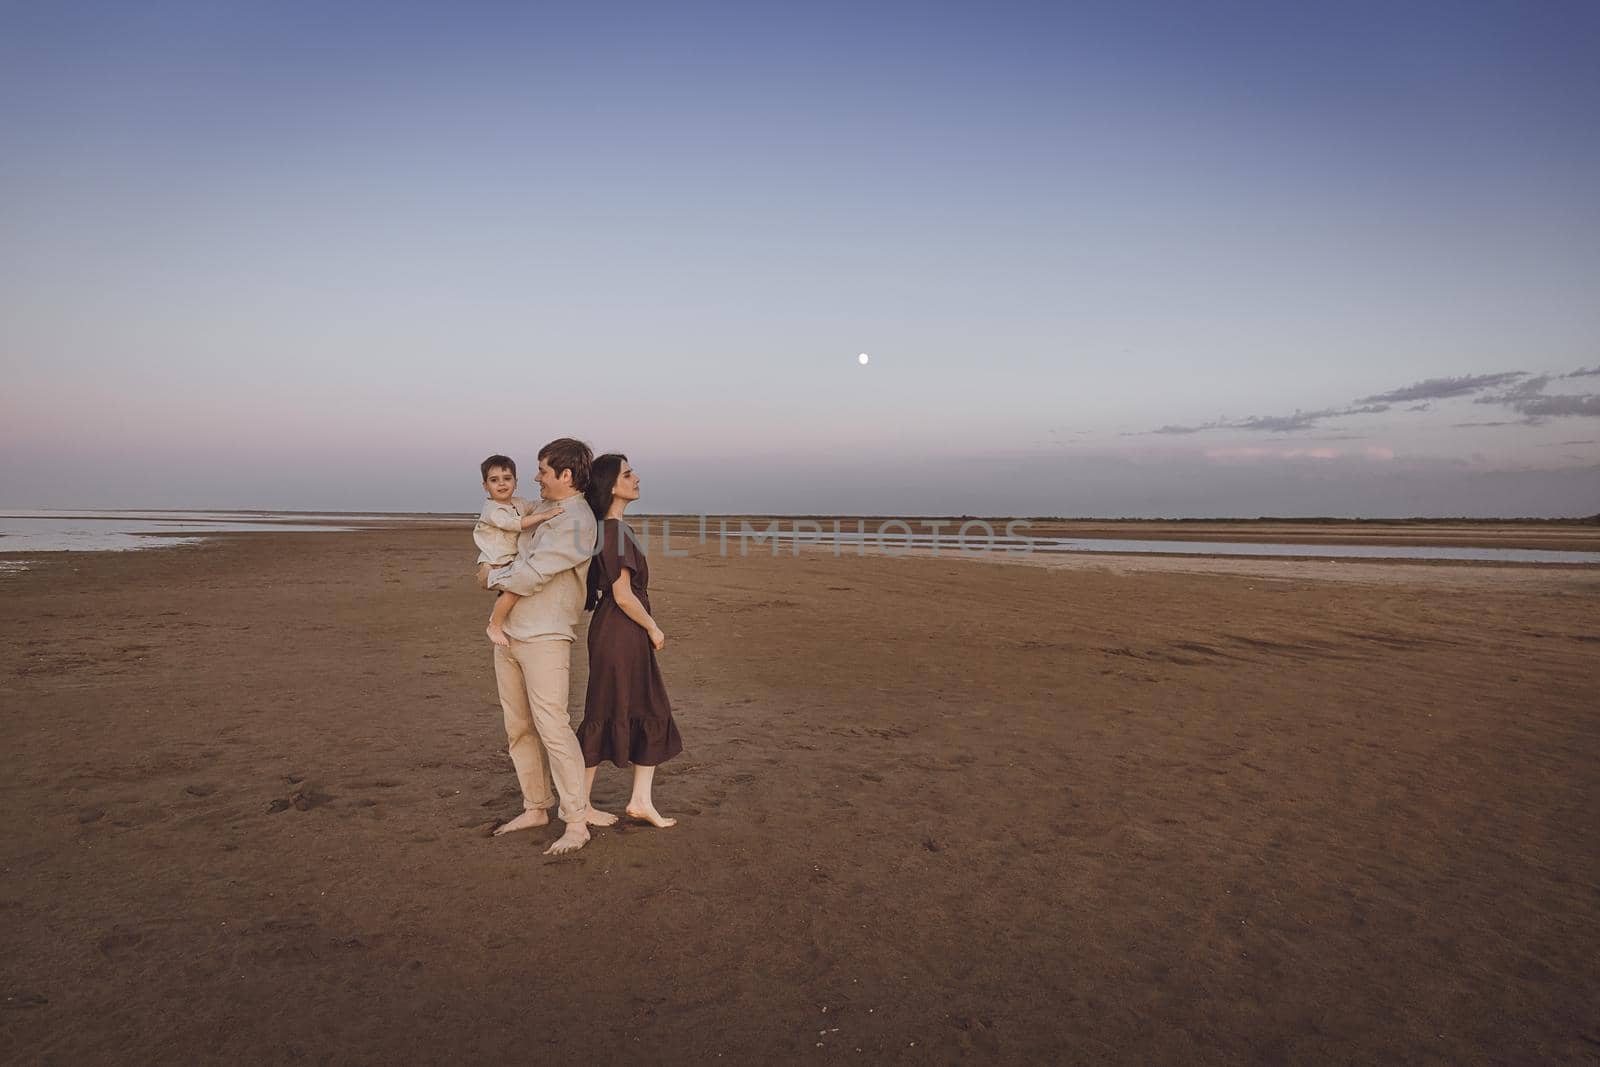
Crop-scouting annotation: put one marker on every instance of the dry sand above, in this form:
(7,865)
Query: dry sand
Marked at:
(1086,809)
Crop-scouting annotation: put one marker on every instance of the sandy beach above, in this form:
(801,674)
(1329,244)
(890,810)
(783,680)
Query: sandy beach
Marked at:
(1079,809)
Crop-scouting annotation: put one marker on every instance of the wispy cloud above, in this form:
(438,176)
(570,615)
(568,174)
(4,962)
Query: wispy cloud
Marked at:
(1300,420)
(1528,399)
(1516,390)
(1443,388)
(1303,420)
(1531,385)
(1539,407)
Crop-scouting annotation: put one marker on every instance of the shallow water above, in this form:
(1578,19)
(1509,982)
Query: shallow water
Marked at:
(978,544)
(122,531)
(24,531)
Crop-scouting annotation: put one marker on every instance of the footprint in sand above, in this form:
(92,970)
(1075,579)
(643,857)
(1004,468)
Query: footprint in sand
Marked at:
(303,798)
(119,940)
(309,797)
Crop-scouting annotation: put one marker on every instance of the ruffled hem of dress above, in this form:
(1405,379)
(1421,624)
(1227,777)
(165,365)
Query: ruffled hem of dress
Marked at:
(625,744)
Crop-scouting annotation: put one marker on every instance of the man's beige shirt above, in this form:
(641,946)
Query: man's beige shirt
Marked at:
(550,574)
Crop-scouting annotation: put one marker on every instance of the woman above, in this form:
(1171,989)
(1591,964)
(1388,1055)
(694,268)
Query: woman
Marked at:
(626,715)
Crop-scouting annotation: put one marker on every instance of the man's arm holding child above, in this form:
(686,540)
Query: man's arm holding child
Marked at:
(562,548)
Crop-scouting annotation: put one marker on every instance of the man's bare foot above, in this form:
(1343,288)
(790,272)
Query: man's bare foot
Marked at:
(576,837)
(649,814)
(595,817)
(497,635)
(526,821)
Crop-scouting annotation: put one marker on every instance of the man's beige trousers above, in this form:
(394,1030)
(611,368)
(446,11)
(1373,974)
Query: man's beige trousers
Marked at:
(533,677)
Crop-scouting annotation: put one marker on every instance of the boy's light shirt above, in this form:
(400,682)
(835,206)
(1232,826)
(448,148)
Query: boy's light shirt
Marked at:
(498,528)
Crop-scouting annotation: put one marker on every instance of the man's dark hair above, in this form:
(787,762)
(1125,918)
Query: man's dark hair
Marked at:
(498,461)
(568,453)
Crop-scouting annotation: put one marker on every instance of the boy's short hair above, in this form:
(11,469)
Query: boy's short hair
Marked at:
(498,461)
(568,453)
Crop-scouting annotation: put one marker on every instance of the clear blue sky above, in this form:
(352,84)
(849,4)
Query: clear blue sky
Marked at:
(1142,259)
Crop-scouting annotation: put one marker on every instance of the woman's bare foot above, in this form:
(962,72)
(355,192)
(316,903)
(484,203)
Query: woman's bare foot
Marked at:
(576,836)
(648,813)
(497,635)
(526,821)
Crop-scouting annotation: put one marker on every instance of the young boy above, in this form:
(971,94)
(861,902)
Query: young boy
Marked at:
(504,517)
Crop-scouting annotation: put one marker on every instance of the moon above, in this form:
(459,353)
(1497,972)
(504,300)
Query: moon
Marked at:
(862,359)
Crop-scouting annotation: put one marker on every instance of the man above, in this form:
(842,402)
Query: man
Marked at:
(532,669)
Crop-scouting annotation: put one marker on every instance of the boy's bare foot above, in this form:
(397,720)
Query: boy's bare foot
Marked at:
(497,635)
(576,836)
(526,821)
(648,813)
(595,817)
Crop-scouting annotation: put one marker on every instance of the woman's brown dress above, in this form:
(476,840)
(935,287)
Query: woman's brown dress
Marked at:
(627,717)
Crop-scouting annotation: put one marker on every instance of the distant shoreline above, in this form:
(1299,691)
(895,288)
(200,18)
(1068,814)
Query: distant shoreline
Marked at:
(1572,535)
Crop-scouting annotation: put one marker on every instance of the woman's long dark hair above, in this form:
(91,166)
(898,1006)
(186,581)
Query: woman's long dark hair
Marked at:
(603,474)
